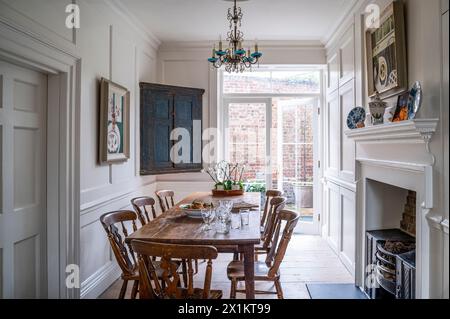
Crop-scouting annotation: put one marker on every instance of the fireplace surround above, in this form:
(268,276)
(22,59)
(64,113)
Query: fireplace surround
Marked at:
(399,157)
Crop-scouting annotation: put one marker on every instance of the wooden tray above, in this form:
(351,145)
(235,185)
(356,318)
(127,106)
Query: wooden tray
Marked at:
(217,193)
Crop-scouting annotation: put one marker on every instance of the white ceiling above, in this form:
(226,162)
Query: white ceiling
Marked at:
(200,20)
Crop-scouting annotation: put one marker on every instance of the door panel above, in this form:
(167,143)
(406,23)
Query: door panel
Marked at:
(347,146)
(333,135)
(334,216)
(23,172)
(348,236)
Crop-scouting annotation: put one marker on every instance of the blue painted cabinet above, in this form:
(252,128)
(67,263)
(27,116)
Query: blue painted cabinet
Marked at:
(170,129)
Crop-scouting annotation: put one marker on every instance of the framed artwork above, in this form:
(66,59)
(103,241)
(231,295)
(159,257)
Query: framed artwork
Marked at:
(402,110)
(386,52)
(114,144)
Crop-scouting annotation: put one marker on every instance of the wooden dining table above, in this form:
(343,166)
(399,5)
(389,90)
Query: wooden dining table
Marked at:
(175,227)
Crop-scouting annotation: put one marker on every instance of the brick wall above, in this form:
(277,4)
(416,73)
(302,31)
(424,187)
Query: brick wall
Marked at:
(247,142)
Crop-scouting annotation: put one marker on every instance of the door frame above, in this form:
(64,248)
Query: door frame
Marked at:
(63,68)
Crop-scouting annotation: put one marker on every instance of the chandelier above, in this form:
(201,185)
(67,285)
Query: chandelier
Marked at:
(235,58)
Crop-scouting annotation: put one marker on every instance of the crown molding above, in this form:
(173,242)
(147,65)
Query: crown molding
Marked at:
(341,26)
(121,9)
(264,45)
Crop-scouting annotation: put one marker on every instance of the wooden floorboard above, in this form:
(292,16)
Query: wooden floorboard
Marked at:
(309,259)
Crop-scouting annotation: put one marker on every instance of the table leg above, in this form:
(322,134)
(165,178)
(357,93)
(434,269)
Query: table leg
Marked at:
(249,270)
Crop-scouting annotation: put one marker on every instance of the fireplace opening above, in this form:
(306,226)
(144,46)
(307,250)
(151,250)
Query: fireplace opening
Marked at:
(390,241)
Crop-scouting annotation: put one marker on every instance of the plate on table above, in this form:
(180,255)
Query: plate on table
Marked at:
(356,117)
(415,100)
(194,210)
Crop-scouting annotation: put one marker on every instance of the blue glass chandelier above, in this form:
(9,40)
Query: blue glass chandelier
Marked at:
(234,58)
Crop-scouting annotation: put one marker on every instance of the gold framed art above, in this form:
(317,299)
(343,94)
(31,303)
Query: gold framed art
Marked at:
(386,52)
(114,137)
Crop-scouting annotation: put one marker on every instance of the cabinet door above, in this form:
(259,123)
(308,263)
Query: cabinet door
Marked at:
(333,72)
(347,146)
(347,57)
(156,126)
(333,134)
(187,110)
(348,222)
(334,216)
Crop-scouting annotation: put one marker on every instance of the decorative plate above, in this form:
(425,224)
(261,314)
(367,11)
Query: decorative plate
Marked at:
(355,117)
(415,100)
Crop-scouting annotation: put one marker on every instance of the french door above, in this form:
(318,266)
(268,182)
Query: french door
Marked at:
(277,139)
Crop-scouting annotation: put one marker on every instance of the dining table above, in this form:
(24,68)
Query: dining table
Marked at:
(175,227)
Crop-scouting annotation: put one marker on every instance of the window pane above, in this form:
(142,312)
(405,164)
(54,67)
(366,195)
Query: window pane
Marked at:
(288,82)
(247,139)
(248,82)
(296,82)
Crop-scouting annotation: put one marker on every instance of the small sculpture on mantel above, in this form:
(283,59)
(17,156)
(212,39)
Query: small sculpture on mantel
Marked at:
(377,109)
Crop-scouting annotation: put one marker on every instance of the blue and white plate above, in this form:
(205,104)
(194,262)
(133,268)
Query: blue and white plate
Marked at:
(357,115)
(415,100)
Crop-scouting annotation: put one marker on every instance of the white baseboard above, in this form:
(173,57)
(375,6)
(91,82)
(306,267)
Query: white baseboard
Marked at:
(96,284)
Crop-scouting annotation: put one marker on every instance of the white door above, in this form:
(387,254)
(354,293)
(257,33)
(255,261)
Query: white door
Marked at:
(23,100)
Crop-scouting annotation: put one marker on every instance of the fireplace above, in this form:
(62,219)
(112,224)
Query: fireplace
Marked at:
(390,241)
(395,198)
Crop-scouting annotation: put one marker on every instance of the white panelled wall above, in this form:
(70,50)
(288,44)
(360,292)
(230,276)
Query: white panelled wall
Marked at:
(339,177)
(108,44)
(346,88)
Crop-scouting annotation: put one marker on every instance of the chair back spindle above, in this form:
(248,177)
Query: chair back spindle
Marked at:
(165,198)
(269,195)
(171,289)
(140,205)
(281,238)
(114,224)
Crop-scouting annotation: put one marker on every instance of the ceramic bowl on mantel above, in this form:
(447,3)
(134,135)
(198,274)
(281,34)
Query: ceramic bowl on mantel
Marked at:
(377,108)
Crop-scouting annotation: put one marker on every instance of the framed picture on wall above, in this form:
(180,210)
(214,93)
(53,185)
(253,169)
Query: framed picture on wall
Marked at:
(386,52)
(114,144)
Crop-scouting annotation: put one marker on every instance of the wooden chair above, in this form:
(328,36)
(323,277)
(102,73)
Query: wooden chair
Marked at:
(150,287)
(140,205)
(123,252)
(269,195)
(165,198)
(276,204)
(270,269)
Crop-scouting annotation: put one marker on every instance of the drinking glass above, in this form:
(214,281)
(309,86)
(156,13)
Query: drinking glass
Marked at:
(235,220)
(208,217)
(222,225)
(245,216)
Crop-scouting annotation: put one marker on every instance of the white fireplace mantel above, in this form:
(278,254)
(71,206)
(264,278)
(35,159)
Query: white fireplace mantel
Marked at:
(414,130)
(392,153)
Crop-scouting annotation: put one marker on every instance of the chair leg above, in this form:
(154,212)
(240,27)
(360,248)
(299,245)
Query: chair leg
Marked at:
(185,274)
(235,256)
(233,289)
(278,289)
(123,290)
(134,290)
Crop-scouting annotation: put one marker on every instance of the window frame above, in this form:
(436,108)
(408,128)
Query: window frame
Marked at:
(226,98)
